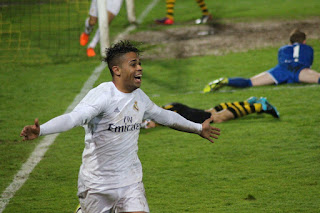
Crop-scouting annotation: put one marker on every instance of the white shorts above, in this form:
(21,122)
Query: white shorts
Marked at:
(126,199)
(113,6)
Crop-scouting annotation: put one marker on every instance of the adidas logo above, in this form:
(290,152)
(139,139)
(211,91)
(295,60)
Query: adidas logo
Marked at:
(117,110)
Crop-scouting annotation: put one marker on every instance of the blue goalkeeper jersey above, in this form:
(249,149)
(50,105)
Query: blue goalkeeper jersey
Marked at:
(295,57)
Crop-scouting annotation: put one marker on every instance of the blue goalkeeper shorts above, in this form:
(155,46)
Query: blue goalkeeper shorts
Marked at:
(283,74)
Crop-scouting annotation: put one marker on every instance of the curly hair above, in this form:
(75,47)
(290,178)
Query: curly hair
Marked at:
(297,36)
(116,51)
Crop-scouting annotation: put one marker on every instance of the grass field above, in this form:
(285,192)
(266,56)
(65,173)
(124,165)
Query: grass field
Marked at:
(259,164)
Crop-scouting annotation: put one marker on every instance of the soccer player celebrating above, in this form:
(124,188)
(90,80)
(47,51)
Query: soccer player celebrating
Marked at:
(222,112)
(110,176)
(113,7)
(294,66)
(169,19)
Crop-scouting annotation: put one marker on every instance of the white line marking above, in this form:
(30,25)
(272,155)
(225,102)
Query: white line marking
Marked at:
(147,10)
(40,150)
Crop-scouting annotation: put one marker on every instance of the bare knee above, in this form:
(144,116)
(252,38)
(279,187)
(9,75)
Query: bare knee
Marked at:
(262,79)
(93,20)
(110,17)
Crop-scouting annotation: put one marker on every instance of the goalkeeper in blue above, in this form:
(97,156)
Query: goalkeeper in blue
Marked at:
(294,66)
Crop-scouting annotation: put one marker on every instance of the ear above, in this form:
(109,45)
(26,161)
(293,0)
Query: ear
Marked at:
(116,70)
(304,42)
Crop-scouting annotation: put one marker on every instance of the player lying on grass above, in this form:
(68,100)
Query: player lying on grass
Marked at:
(294,66)
(110,176)
(222,112)
(169,19)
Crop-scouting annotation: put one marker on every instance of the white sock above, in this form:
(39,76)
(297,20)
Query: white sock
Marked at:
(95,40)
(88,28)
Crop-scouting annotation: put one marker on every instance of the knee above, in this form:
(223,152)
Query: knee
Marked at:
(93,20)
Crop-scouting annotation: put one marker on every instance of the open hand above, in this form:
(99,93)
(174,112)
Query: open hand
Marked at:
(208,132)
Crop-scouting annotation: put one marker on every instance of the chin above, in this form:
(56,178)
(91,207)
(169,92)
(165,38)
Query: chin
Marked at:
(135,87)
(138,85)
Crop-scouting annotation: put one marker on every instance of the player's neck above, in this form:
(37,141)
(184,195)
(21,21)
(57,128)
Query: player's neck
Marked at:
(122,87)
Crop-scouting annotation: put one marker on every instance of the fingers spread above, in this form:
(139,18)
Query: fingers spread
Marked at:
(214,132)
(23,132)
(209,139)
(215,128)
(214,136)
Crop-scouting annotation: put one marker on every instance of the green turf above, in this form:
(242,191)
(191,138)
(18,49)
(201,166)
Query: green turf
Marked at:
(259,164)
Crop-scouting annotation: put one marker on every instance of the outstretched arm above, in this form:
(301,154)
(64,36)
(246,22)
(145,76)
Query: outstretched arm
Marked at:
(79,116)
(176,121)
(31,132)
(88,108)
(58,124)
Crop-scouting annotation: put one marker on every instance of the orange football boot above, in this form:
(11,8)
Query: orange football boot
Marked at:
(84,38)
(91,52)
(165,21)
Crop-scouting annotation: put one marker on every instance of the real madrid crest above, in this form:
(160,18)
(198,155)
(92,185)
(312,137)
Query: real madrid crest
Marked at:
(135,106)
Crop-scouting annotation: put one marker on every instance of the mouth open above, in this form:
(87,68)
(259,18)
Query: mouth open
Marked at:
(138,78)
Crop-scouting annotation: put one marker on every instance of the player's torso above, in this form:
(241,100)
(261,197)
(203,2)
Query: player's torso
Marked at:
(296,55)
(111,146)
(120,121)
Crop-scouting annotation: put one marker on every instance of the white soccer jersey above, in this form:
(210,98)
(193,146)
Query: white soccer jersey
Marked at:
(112,121)
(111,142)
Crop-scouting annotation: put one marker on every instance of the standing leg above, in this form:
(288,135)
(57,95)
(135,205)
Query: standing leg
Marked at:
(169,19)
(93,44)
(206,16)
(90,50)
(131,11)
(89,23)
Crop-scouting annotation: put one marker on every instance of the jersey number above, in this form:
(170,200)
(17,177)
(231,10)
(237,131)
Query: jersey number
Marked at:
(296,51)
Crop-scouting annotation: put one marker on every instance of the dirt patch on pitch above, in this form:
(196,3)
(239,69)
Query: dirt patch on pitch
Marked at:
(217,38)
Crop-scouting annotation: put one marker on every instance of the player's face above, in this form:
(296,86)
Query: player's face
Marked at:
(131,72)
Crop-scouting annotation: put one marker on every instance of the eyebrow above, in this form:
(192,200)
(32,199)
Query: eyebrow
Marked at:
(134,60)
